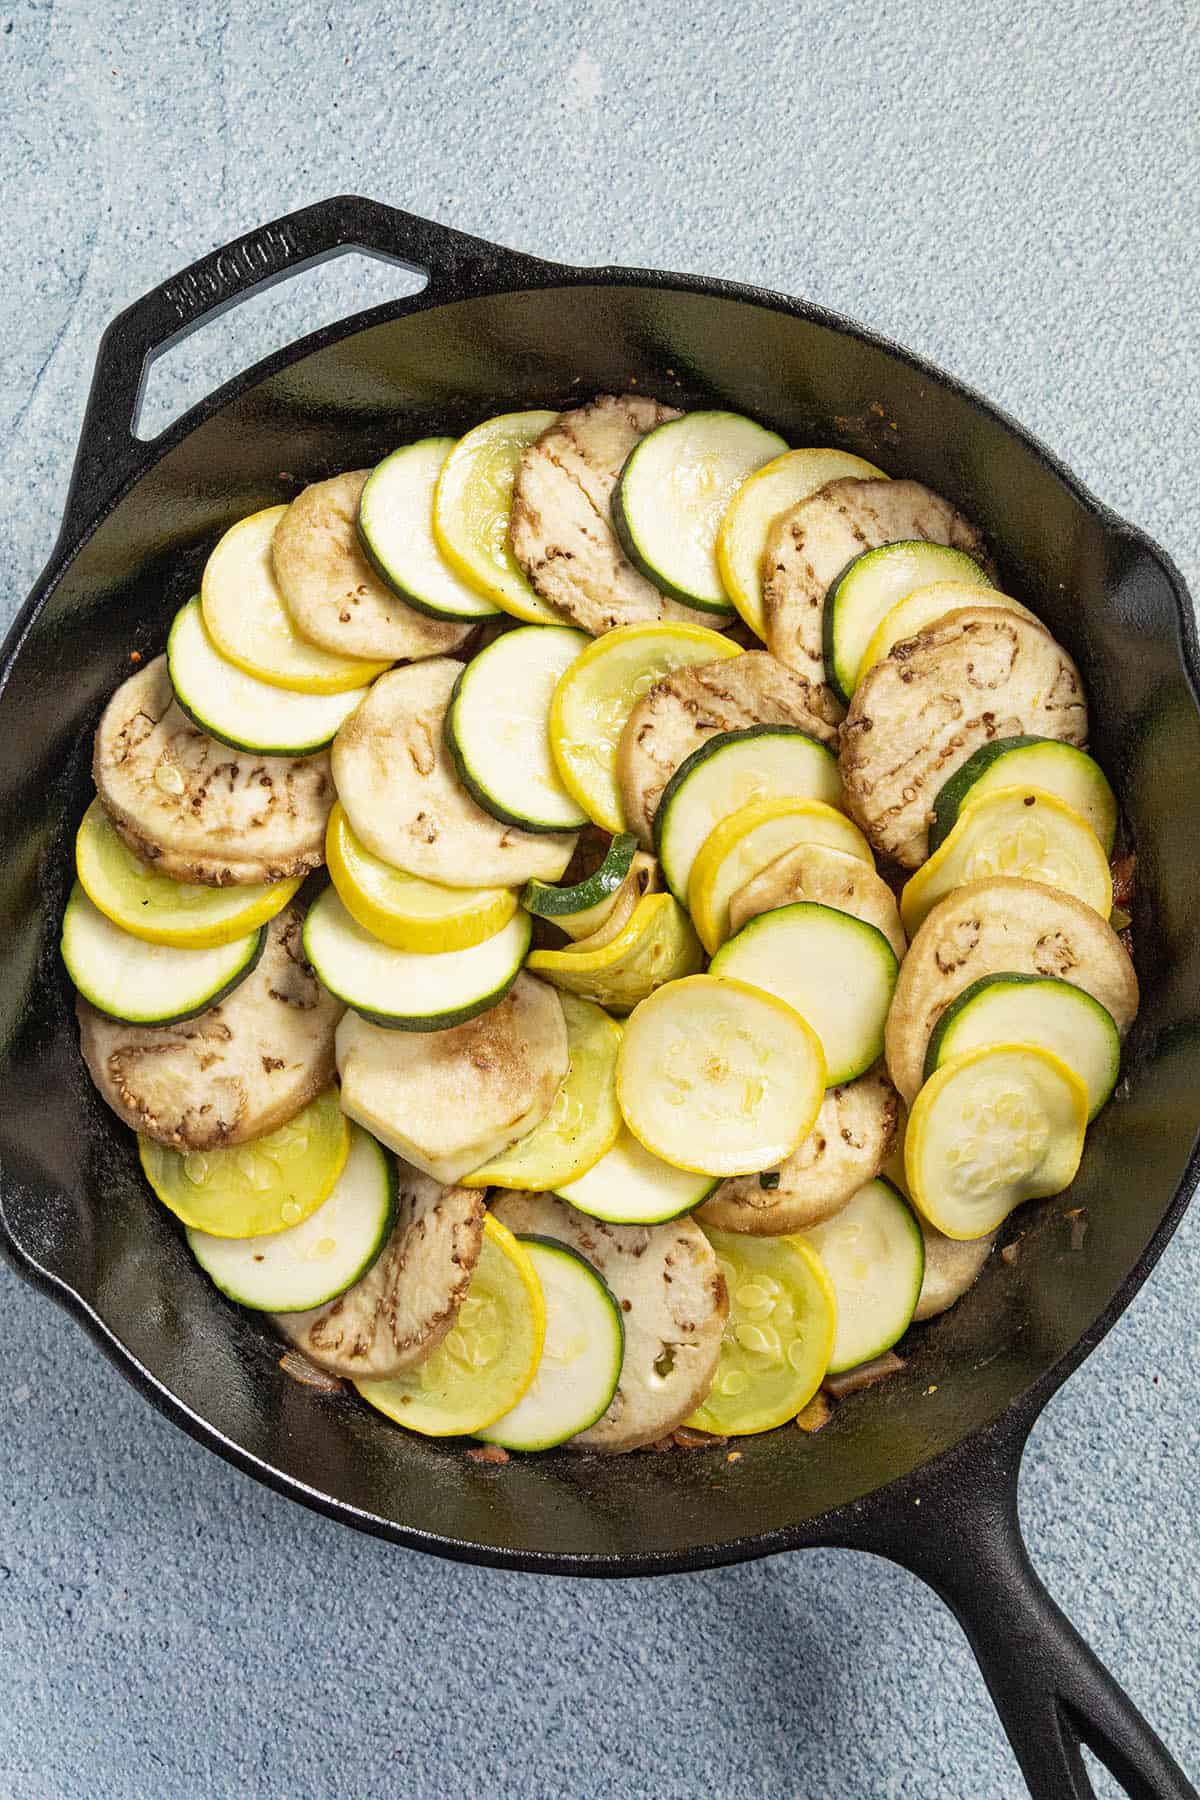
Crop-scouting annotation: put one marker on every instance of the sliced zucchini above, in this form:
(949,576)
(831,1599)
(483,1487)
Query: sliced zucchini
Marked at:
(992,1128)
(779,484)
(395,524)
(629,1186)
(1056,768)
(778,1337)
(831,878)
(136,897)
(675,489)
(447,1101)
(403,990)
(471,507)
(239,709)
(580,1364)
(762,762)
(138,983)
(874,1254)
(403,910)
(719,1077)
(838,973)
(248,620)
(924,607)
(1017,831)
(868,588)
(747,841)
(487,1359)
(615,914)
(578,908)
(311,1263)
(584,1118)
(656,945)
(1033,1009)
(498,728)
(595,697)
(255,1189)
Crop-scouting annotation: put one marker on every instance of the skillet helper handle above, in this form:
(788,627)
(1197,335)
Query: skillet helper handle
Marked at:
(455,265)
(1053,1694)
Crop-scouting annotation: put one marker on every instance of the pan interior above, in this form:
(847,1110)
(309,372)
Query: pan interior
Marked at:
(72,1194)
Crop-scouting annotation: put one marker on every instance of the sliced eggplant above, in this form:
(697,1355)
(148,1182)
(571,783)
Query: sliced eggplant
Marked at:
(335,598)
(952,1266)
(396,780)
(692,704)
(405,1304)
(197,810)
(673,1305)
(993,927)
(978,674)
(450,1100)
(831,878)
(235,1072)
(812,544)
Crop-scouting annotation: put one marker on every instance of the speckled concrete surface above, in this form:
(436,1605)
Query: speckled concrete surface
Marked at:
(1012,194)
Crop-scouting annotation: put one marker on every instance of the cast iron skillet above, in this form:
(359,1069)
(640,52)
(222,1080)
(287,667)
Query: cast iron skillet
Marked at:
(925,1477)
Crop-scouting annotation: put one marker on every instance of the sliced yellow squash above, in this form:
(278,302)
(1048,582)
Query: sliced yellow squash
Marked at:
(656,944)
(779,484)
(990,1129)
(254,1189)
(584,1118)
(488,1358)
(778,1336)
(406,911)
(747,841)
(925,606)
(150,906)
(719,1077)
(247,618)
(1021,832)
(471,507)
(598,693)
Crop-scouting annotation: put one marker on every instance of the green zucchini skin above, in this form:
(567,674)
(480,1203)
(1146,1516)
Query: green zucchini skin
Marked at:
(547,901)
(955,792)
(468,614)
(79,979)
(655,577)
(478,789)
(1051,986)
(966,568)
(889,1316)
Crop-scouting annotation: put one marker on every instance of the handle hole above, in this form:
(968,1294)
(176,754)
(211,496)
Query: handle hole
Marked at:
(225,344)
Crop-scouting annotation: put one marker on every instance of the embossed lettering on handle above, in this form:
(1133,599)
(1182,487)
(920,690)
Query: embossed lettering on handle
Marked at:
(267,251)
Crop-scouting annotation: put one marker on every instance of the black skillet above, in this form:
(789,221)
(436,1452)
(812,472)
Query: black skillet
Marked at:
(922,1468)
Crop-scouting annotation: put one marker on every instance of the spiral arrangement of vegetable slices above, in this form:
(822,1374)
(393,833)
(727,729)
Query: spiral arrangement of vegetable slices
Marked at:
(666,1026)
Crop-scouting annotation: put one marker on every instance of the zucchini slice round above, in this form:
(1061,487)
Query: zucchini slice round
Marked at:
(138,983)
(159,910)
(406,991)
(1017,831)
(1033,1009)
(255,1189)
(498,728)
(719,1077)
(471,506)
(584,1118)
(831,878)
(599,691)
(580,904)
(487,1359)
(779,484)
(656,945)
(836,971)
(630,1186)
(747,842)
(763,762)
(992,1128)
(248,620)
(1056,768)
(403,910)
(874,1254)
(924,607)
(675,489)
(868,588)
(311,1263)
(778,1337)
(395,525)
(240,709)
(580,1364)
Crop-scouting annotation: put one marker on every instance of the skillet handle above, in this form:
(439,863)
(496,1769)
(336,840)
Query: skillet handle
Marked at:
(960,1532)
(455,264)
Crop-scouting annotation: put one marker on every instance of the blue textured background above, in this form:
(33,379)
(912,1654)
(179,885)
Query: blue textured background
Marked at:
(1010,193)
